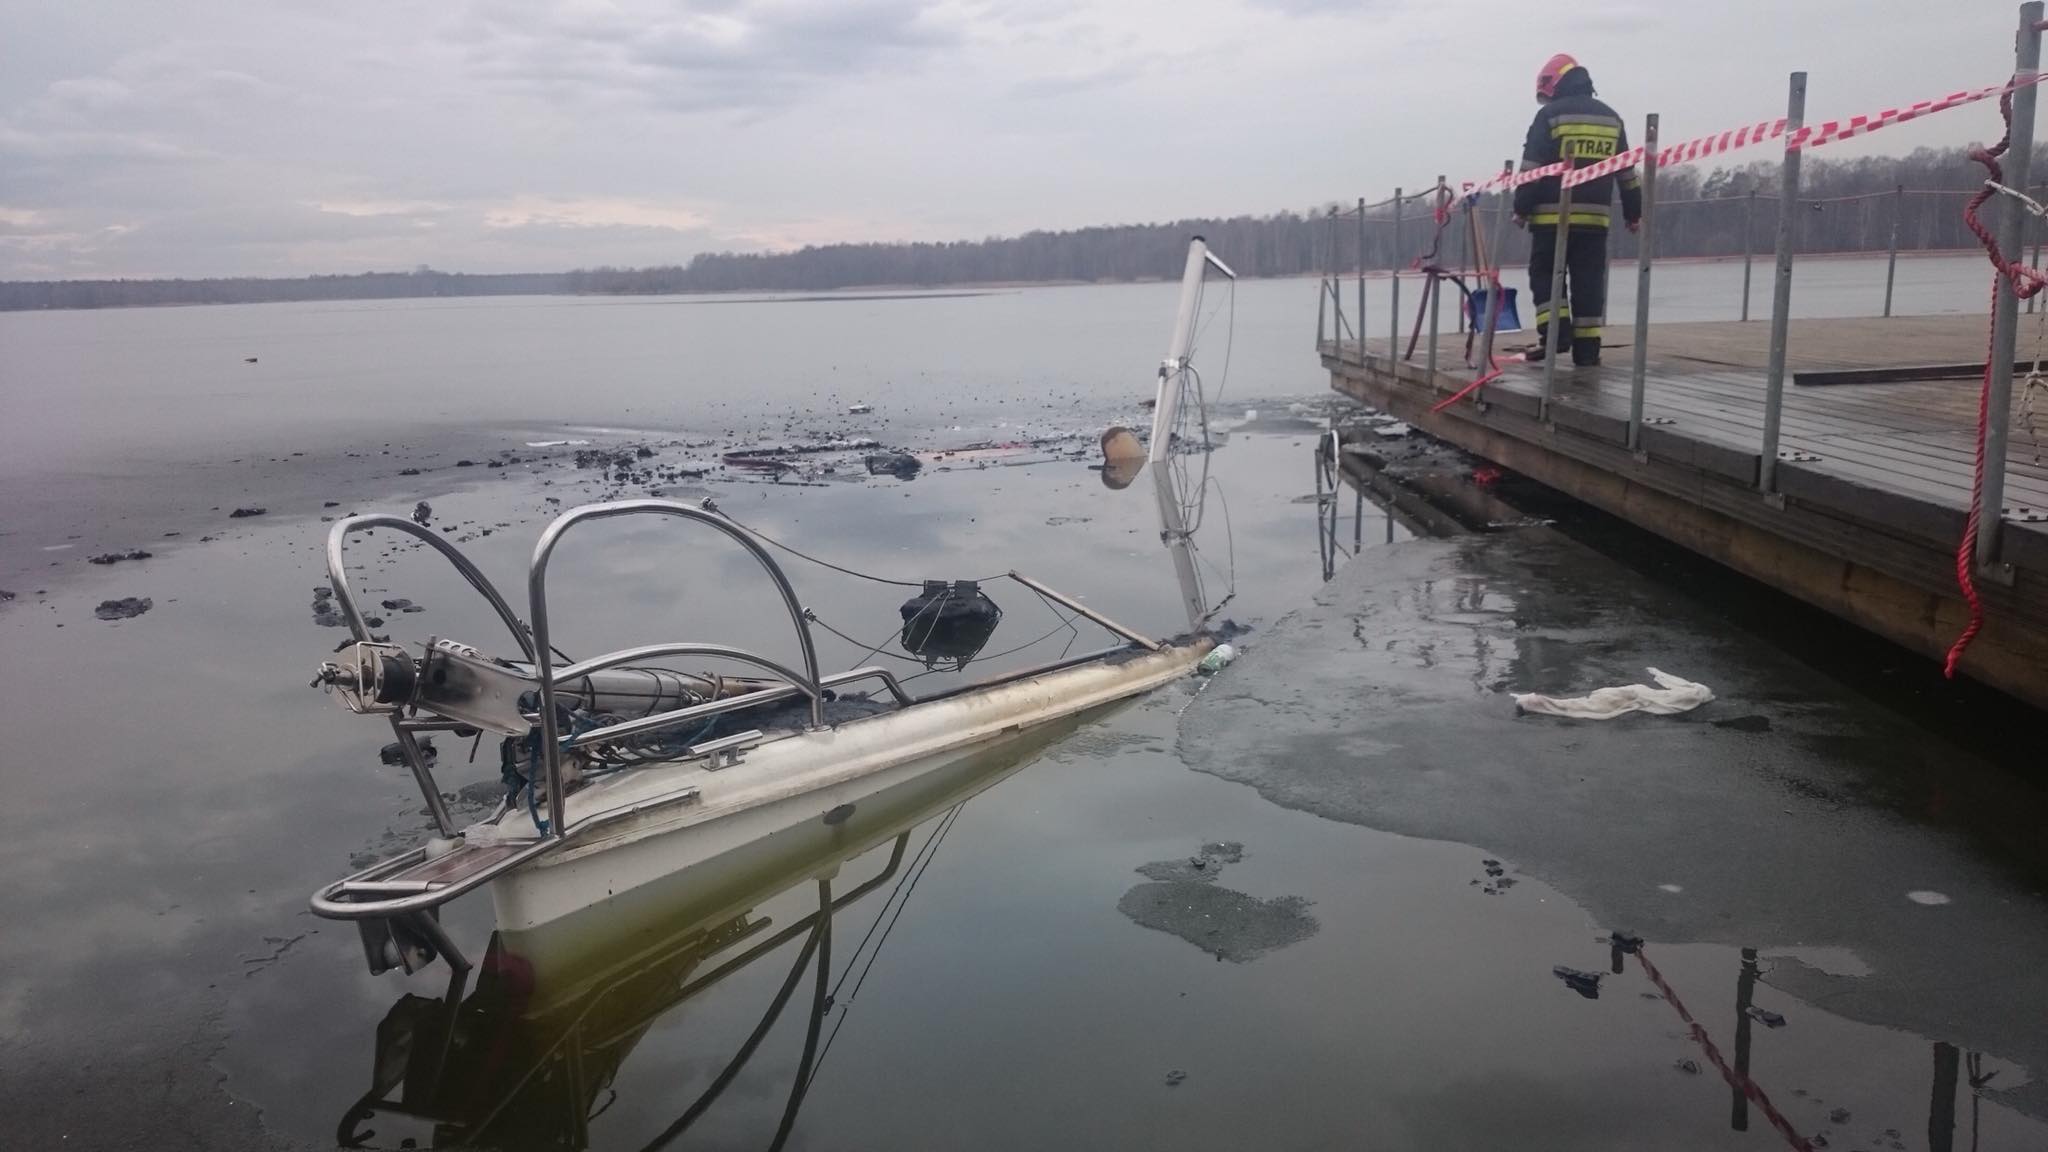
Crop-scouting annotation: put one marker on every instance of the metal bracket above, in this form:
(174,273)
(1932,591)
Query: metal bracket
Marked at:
(1798,457)
(725,751)
(1641,456)
(2028,202)
(1775,500)
(1660,421)
(1998,572)
(2026,514)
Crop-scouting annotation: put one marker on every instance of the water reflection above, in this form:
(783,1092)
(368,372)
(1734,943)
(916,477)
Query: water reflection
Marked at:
(532,1056)
(1746,1092)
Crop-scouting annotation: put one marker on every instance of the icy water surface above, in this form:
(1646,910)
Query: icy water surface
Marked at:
(1319,901)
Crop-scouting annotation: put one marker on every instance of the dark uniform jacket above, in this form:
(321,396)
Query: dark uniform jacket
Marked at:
(1578,126)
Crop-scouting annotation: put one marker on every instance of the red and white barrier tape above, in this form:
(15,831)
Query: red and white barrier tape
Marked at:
(1829,131)
(1810,136)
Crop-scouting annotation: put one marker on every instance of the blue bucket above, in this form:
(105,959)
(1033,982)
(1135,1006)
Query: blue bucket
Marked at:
(1476,307)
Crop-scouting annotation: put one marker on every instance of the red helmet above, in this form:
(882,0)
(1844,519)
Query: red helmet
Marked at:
(1553,71)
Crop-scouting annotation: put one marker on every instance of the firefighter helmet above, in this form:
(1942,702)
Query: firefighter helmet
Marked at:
(1553,71)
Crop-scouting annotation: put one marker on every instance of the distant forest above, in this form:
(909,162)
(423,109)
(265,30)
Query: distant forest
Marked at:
(1845,206)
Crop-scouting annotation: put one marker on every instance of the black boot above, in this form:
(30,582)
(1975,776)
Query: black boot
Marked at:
(1586,352)
(1544,345)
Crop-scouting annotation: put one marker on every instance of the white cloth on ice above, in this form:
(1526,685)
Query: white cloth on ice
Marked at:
(1671,695)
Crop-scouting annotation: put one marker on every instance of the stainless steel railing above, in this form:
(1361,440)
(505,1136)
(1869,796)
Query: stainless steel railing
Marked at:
(807,681)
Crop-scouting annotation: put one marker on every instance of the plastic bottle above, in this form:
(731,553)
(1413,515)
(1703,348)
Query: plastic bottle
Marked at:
(1218,656)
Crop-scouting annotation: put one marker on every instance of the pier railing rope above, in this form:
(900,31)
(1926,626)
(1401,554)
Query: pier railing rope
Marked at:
(2025,283)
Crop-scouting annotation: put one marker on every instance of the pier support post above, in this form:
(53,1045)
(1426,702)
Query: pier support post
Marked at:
(1891,267)
(1781,295)
(1549,338)
(1748,248)
(1639,367)
(1434,283)
(1496,291)
(2005,315)
(1361,281)
(1394,286)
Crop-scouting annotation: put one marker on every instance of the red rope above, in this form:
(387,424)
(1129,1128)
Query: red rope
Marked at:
(1735,1080)
(2025,282)
(1493,306)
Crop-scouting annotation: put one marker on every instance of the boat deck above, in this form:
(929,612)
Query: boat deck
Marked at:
(1874,473)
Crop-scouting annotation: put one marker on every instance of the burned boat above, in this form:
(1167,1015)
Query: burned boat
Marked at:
(613,777)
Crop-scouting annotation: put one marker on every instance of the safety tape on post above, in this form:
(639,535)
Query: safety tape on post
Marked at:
(1810,136)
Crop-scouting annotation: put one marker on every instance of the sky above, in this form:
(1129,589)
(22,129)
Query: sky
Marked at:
(290,137)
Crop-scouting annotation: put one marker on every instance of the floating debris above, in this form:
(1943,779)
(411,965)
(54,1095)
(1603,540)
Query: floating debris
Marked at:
(901,465)
(117,557)
(126,608)
(859,409)
(245,513)
(1175,1077)
(422,512)
(1765,1016)
(1586,984)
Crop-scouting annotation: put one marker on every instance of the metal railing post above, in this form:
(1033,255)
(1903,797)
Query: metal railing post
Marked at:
(1781,294)
(1361,281)
(1496,292)
(1551,330)
(2005,316)
(1639,367)
(1322,308)
(1748,248)
(1394,285)
(1330,283)
(1891,268)
(1434,283)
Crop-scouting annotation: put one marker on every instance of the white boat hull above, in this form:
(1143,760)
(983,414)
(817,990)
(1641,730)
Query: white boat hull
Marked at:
(810,776)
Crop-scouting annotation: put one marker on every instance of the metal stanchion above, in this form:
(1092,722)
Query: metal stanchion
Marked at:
(1496,292)
(1639,367)
(1434,283)
(1361,281)
(1781,296)
(2005,315)
(1394,286)
(1748,248)
(1550,334)
(1891,268)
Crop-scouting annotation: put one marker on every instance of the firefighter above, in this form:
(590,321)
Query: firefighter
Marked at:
(1573,125)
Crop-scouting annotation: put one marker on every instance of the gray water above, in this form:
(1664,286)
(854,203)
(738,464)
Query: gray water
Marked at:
(1374,966)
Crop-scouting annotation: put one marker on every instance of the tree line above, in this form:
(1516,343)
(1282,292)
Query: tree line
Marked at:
(1844,206)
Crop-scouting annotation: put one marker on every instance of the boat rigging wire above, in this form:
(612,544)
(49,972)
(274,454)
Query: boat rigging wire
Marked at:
(906,886)
(839,568)
(739,1060)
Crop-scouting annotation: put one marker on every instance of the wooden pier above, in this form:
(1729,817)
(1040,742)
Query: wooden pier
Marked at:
(1872,486)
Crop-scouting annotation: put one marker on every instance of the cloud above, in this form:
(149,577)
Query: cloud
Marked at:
(595,213)
(739,56)
(219,137)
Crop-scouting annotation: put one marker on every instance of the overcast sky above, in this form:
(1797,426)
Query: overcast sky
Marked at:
(283,137)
